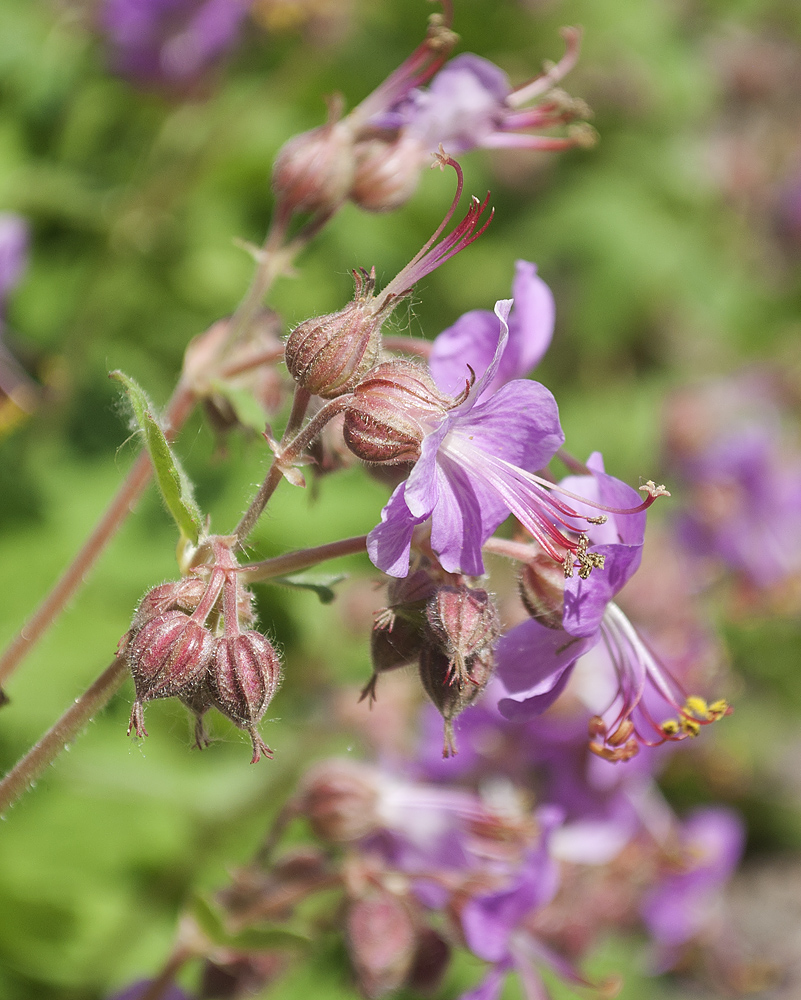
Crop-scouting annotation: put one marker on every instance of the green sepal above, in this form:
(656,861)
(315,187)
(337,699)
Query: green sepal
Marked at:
(173,482)
(261,937)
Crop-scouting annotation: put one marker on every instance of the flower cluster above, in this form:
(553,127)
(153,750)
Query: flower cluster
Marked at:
(186,640)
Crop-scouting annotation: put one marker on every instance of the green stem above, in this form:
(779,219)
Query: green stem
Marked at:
(28,769)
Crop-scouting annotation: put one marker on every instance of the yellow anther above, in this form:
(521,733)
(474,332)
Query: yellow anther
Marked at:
(691,727)
(697,706)
(622,733)
(719,708)
(670,727)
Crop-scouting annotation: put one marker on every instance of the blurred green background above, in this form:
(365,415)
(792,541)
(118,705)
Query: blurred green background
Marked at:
(671,252)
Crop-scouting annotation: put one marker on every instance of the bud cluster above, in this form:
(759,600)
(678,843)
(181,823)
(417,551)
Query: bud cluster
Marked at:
(186,641)
(450,629)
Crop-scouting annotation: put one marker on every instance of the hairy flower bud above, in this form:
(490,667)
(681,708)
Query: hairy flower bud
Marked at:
(397,637)
(431,958)
(392,410)
(242,680)
(381,938)
(177,595)
(328,355)
(465,623)
(542,590)
(313,172)
(387,172)
(450,695)
(340,800)
(167,656)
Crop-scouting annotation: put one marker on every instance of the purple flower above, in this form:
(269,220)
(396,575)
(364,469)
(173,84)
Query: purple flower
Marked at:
(473,338)
(472,472)
(470,103)
(682,905)
(138,990)
(14,239)
(170,42)
(535,660)
(494,924)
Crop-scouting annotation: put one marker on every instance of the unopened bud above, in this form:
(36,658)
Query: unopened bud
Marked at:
(169,655)
(542,590)
(380,935)
(242,680)
(392,410)
(431,959)
(465,623)
(387,172)
(313,172)
(340,800)
(328,355)
(397,635)
(449,696)
(177,595)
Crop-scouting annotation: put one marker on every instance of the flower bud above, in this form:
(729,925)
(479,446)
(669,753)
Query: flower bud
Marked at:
(313,172)
(392,410)
(431,959)
(242,680)
(380,935)
(177,595)
(340,800)
(168,655)
(464,621)
(387,172)
(328,355)
(542,590)
(449,694)
(397,634)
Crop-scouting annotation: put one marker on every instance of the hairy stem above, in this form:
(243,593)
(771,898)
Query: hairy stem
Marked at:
(157,988)
(28,769)
(178,409)
(288,453)
(292,562)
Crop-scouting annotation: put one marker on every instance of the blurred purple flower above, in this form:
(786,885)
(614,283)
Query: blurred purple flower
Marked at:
(138,990)
(682,905)
(744,508)
(473,338)
(472,472)
(170,42)
(14,241)
(470,103)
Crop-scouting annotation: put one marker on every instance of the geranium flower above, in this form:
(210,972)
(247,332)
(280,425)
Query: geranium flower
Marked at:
(473,338)
(535,660)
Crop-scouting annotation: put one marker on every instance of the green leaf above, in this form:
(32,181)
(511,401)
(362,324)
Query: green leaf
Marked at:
(261,937)
(247,410)
(320,583)
(171,478)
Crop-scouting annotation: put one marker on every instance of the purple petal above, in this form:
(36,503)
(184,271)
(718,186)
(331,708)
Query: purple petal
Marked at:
(518,424)
(388,544)
(472,340)
(534,664)
(13,251)
(531,322)
(491,985)
(462,106)
(138,989)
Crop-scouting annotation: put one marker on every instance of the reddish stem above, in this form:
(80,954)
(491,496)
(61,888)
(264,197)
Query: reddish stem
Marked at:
(178,410)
